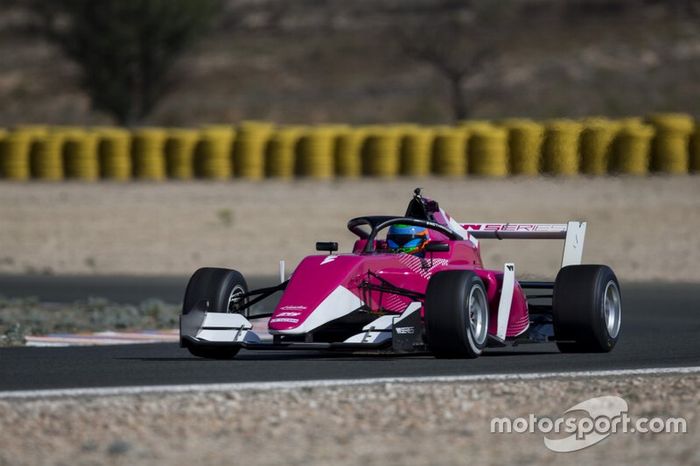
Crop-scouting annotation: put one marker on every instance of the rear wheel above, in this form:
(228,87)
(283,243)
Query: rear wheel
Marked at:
(456,314)
(223,290)
(587,309)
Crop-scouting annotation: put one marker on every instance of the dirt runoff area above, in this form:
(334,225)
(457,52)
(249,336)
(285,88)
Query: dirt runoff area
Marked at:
(387,424)
(645,228)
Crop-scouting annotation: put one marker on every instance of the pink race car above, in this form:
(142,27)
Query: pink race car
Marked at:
(419,288)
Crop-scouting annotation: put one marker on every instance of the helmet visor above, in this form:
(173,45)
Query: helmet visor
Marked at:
(404,243)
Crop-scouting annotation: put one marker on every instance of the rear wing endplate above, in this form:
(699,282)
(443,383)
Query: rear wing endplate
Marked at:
(573,233)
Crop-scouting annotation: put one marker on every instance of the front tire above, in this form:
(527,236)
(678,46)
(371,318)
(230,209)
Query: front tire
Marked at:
(217,286)
(456,314)
(212,353)
(222,289)
(587,309)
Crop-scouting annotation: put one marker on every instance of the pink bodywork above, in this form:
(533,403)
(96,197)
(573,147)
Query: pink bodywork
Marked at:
(316,277)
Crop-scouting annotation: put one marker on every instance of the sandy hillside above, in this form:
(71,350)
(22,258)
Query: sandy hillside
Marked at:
(644,228)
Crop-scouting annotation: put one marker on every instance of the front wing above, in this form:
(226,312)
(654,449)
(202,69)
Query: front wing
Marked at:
(400,332)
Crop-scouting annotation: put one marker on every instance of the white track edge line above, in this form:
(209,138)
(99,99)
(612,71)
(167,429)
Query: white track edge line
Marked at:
(266,386)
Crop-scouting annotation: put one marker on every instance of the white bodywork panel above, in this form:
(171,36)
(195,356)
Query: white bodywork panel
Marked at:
(410,309)
(573,233)
(380,329)
(517,230)
(573,244)
(381,323)
(506,300)
(455,226)
(370,337)
(339,303)
(223,327)
(236,336)
(223,320)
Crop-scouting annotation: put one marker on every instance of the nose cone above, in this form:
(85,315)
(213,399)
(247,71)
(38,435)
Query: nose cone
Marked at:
(320,290)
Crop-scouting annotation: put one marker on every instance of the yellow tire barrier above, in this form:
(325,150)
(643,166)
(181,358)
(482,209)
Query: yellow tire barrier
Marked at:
(34,131)
(560,150)
(450,152)
(629,121)
(14,156)
(148,154)
(213,153)
(48,150)
(80,159)
(632,150)
(380,152)
(348,152)
(249,149)
(694,165)
(670,145)
(280,157)
(45,159)
(488,152)
(114,152)
(525,146)
(180,148)
(316,153)
(475,125)
(666,143)
(3,136)
(596,145)
(416,150)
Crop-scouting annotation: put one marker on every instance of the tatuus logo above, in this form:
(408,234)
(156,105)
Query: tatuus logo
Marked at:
(328,259)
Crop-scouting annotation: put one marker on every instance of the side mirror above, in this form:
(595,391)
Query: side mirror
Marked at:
(437,247)
(329,246)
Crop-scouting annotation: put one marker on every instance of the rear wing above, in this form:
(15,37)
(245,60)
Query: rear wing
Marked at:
(573,233)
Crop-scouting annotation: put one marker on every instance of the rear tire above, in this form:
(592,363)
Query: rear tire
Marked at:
(219,287)
(587,309)
(456,314)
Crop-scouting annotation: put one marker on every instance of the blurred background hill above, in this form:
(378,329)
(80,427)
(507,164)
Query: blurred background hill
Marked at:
(366,61)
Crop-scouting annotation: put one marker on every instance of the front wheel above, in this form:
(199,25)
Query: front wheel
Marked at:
(223,289)
(456,314)
(212,352)
(587,309)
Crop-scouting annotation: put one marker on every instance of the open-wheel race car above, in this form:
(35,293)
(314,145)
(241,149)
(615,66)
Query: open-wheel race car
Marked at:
(412,283)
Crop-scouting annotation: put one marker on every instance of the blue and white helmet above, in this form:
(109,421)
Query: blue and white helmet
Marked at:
(407,238)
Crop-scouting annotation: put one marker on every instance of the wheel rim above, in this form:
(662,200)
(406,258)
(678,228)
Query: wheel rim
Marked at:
(235,298)
(477,314)
(612,308)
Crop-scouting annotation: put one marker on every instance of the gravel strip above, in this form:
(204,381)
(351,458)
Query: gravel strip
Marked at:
(401,424)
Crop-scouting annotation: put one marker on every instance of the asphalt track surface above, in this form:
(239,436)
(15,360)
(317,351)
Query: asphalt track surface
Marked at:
(661,328)
(121,289)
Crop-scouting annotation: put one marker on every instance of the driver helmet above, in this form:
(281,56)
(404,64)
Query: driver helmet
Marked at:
(407,238)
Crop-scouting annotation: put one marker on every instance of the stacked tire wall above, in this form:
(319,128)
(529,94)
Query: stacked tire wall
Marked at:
(635,146)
